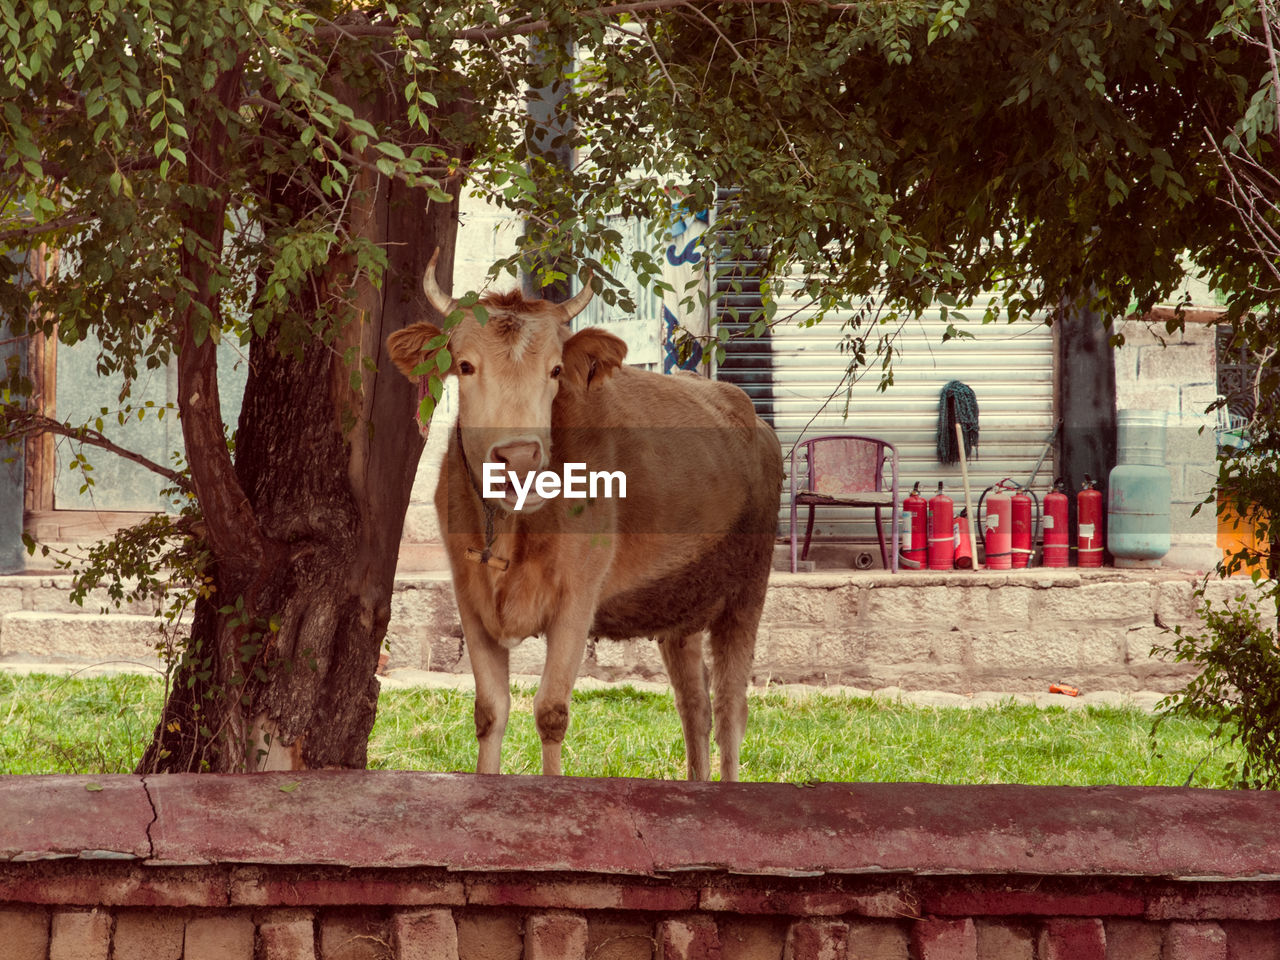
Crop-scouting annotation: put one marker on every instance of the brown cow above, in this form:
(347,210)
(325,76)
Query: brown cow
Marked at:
(687,549)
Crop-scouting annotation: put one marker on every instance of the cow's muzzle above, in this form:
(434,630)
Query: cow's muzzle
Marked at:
(521,460)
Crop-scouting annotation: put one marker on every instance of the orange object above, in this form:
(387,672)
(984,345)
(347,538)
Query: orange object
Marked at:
(964,549)
(1063,689)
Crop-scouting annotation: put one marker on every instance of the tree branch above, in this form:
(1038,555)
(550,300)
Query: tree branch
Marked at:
(518,27)
(235,533)
(18,235)
(26,424)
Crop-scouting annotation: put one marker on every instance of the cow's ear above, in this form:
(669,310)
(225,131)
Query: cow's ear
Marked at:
(408,347)
(592,354)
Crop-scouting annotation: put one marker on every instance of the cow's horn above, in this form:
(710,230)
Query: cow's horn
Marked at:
(437,297)
(578,302)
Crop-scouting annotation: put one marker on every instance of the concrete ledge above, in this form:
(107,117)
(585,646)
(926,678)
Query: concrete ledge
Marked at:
(642,828)
(961,633)
(459,866)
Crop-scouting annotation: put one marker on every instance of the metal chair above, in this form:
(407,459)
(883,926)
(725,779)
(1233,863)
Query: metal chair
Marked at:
(845,471)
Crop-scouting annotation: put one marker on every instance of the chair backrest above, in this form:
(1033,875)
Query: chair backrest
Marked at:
(843,465)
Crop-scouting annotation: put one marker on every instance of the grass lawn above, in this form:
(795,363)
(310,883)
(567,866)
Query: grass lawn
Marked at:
(63,725)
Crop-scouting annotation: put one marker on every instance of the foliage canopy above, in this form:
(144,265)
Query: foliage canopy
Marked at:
(927,148)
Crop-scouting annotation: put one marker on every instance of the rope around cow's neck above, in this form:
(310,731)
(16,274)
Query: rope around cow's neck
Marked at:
(484,556)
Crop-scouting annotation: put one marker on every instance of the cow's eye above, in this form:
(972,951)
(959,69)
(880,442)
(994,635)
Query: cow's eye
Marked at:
(555,372)
(465,368)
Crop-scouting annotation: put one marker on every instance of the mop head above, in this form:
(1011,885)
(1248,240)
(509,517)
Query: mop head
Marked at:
(957,404)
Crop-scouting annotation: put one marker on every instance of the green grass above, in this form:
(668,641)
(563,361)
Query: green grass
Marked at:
(64,725)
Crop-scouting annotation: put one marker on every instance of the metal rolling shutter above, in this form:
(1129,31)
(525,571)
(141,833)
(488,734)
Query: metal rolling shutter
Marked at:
(794,378)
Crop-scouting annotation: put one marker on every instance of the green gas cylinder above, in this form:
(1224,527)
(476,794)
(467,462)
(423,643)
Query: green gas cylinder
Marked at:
(1139,491)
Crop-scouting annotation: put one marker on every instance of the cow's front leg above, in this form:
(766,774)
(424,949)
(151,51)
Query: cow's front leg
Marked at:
(490,665)
(566,643)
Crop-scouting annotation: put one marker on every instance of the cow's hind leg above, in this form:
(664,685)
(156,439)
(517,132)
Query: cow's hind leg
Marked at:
(733,645)
(490,665)
(682,656)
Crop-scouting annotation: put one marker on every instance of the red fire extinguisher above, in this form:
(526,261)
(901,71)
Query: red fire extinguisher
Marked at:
(1089,525)
(1020,537)
(1056,535)
(964,549)
(915,530)
(942,548)
(997,528)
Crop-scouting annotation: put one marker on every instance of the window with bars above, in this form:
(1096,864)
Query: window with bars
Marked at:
(1250,382)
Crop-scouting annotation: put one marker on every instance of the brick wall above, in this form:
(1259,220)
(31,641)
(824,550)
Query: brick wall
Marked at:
(440,933)
(396,866)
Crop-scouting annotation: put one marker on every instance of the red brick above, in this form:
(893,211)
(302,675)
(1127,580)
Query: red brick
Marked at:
(1133,940)
(802,903)
(1252,941)
(743,938)
(288,935)
(254,888)
(1004,941)
(934,939)
(352,936)
(589,895)
(688,938)
(878,941)
(219,938)
(489,936)
(148,935)
(1070,939)
(80,935)
(130,886)
(1194,941)
(1015,902)
(424,935)
(24,931)
(1236,902)
(816,940)
(559,935)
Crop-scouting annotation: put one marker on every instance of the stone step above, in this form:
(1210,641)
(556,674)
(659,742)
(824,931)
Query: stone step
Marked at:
(82,636)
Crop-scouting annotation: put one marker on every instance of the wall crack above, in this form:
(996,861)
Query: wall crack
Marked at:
(155,815)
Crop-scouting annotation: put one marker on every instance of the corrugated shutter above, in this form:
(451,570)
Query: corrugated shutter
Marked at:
(795,378)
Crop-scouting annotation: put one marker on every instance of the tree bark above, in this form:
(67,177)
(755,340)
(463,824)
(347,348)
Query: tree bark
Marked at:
(280,669)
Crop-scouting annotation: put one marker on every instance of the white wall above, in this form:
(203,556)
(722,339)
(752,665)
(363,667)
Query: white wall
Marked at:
(485,234)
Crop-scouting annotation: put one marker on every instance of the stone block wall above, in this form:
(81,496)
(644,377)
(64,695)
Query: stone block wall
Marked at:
(1177,373)
(392,866)
(959,633)
(962,632)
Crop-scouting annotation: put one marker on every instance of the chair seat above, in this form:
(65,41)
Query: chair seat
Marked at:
(845,470)
(868,498)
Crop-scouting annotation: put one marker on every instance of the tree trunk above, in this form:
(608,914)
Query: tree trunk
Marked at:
(280,671)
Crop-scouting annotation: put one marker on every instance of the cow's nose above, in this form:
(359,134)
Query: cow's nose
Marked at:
(520,458)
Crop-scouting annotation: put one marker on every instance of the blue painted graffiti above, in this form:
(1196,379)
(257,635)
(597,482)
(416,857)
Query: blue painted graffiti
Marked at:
(671,357)
(692,253)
